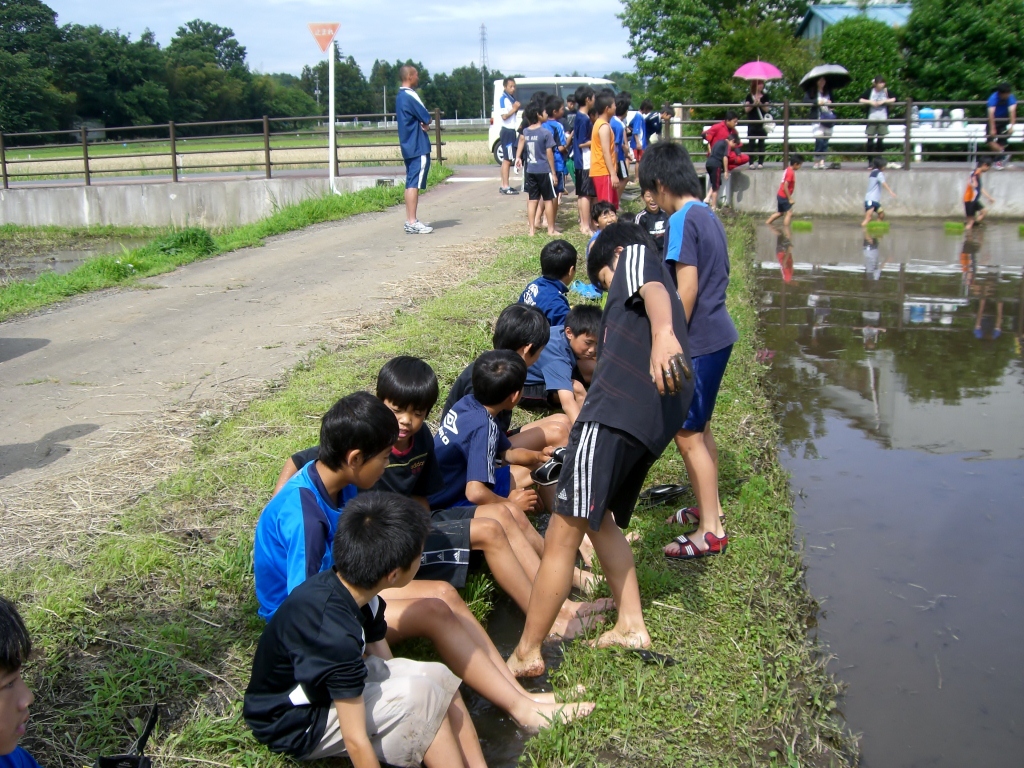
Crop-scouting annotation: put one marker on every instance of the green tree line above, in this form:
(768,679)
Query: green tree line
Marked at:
(57,77)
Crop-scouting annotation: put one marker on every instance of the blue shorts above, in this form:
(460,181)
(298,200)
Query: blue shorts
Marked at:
(502,487)
(416,170)
(559,182)
(707,372)
(507,145)
(870,205)
(783,204)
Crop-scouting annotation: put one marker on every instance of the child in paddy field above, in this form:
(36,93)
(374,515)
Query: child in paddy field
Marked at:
(539,145)
(653,220)
(550,382)
(973,208)
(698,253)
(873,197)
(628,419)
(15,697)
(548,292)
(604,216)
(784,196)
(293,543)
(603,156)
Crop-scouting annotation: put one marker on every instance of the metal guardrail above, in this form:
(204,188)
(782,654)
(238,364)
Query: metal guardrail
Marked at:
(911,134)
(261,138)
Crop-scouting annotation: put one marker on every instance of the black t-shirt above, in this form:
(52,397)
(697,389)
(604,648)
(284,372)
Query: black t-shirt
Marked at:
(464,386)
(621,394)
(656,225)
(759,110)
(310,654)
(718,152)
(413,473)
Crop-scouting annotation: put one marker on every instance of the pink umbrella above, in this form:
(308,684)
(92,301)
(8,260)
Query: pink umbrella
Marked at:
(758,70)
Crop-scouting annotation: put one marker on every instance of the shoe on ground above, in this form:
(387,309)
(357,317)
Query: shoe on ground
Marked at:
(507,191)
(417,228)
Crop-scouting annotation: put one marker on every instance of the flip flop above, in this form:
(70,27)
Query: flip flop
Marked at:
(662,494)
(716,546)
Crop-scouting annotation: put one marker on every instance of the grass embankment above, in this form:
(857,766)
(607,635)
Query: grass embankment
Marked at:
(173,248)
(162,609)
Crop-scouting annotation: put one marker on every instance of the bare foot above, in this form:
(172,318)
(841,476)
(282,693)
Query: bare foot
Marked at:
(587,551)
(615,637)
(546,715)
(549,697)
(528,667)
(595,606)
(633,536)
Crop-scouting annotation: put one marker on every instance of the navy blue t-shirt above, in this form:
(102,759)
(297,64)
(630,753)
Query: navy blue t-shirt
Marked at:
(549,296)
(696,238)
(469,447)
(411,115)
(553,368)
(581,134)
(1002,108)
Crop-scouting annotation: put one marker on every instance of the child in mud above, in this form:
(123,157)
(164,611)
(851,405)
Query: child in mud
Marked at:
(873,197)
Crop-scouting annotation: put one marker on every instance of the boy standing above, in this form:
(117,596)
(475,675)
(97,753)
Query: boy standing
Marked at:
(604,156)
(555,109)
(698,252)
(413,125)
(508,109)
(324,682)
(550,382)
(548,292)
(15,697)
(622,152)
(873,197)
(638,131)
(973,208)
(636,402)
(540,164)
(784,196)
(653,220)
(581,155)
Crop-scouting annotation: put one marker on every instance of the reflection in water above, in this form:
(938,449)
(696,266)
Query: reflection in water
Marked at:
(900,381)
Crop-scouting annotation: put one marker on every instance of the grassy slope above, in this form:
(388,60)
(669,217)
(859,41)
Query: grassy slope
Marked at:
(168,253)
(174,578)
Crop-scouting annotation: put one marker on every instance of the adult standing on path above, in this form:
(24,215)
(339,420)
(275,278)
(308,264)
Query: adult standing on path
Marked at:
(508,110)
(413,124)
(1002,117)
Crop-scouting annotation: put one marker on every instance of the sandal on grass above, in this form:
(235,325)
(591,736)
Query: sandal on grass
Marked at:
(662,494)
(688,517)
(716,546)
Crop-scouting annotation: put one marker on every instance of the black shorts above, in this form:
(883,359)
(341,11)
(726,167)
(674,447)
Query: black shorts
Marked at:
(453,514)
(973,208)
(622,170)
(584,186)
(446,554)
(1002,135)
(537,397)
(605,469)
(783,204)
(715,171)
(539,186)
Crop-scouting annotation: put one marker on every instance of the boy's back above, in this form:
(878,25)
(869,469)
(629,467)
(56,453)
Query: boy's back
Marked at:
(558,133)
(719,152)
(619,137)
(462,386)
(538,141)
(549,296)
(467,445)
(875,181)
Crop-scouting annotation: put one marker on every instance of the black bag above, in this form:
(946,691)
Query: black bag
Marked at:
(826,117)
(135,758)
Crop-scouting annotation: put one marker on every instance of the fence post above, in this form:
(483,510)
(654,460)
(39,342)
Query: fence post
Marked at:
(266,144)
(174,151)
(85,155)
(3,161)
(785,133)
(437,134)
(909,121)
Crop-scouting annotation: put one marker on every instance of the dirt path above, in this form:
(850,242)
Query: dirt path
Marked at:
(85,386)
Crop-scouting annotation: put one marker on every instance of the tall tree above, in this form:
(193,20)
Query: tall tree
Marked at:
(29,101)
(29,27)
(868,49)
(199,42)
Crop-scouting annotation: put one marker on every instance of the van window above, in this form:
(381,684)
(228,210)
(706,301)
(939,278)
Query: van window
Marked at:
(525,92)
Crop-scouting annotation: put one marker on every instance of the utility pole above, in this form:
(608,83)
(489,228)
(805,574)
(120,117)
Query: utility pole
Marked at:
(483,70)
(316,91)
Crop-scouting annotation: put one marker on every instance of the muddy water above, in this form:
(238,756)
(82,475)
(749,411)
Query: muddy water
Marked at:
(900,390)
(29,266)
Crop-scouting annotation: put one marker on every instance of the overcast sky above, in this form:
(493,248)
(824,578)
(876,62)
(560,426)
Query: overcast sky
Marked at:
(531,37)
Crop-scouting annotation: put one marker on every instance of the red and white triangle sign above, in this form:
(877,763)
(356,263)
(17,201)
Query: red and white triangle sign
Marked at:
(324,32)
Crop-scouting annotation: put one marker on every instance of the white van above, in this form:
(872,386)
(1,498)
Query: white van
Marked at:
(526,87)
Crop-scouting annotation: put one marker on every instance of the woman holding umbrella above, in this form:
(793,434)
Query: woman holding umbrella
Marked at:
(819,84)
(757,105)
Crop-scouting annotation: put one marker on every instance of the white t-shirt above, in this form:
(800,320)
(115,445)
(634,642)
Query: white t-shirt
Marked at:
(504,105)
(879,113)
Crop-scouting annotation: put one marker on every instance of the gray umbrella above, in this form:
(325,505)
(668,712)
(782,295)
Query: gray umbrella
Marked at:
(835,75)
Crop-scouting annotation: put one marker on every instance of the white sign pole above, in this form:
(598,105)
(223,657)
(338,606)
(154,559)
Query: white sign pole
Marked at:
(330,109)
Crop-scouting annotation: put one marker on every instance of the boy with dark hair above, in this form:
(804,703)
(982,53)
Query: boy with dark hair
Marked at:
(873,197)
(784,196)
(717,164)
(508,109)
(603,214)
(974,210)
(721,130)
(548,292)
(581,155)
(652,219)
(1001,109)
(636,402)
(550,382)
(604,156)
(324,682)
(698,252)
(555,109)
(622,151)
(539,147)
(15,697)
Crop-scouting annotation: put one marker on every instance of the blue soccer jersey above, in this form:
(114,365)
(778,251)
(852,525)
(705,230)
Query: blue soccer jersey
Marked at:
(294,536)
(411,116)
(549,296)
(554,367)
(559,132)
(619,135)
(639,128)
(469,446)
(582,129)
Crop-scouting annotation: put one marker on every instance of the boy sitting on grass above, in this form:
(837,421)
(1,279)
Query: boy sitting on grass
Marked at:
(295,533)
(550,382)
(324,682)
(548,292)
(15,697)
(636,402)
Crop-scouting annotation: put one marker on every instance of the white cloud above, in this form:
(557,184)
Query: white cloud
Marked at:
(532,37)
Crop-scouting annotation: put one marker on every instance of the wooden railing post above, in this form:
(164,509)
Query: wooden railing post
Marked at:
(437,136)
(3,161)
(785,133)
(174,151)
(85,155)
(908,121)
(266,144)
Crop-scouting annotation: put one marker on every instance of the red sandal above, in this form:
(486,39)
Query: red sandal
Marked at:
(716,546)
